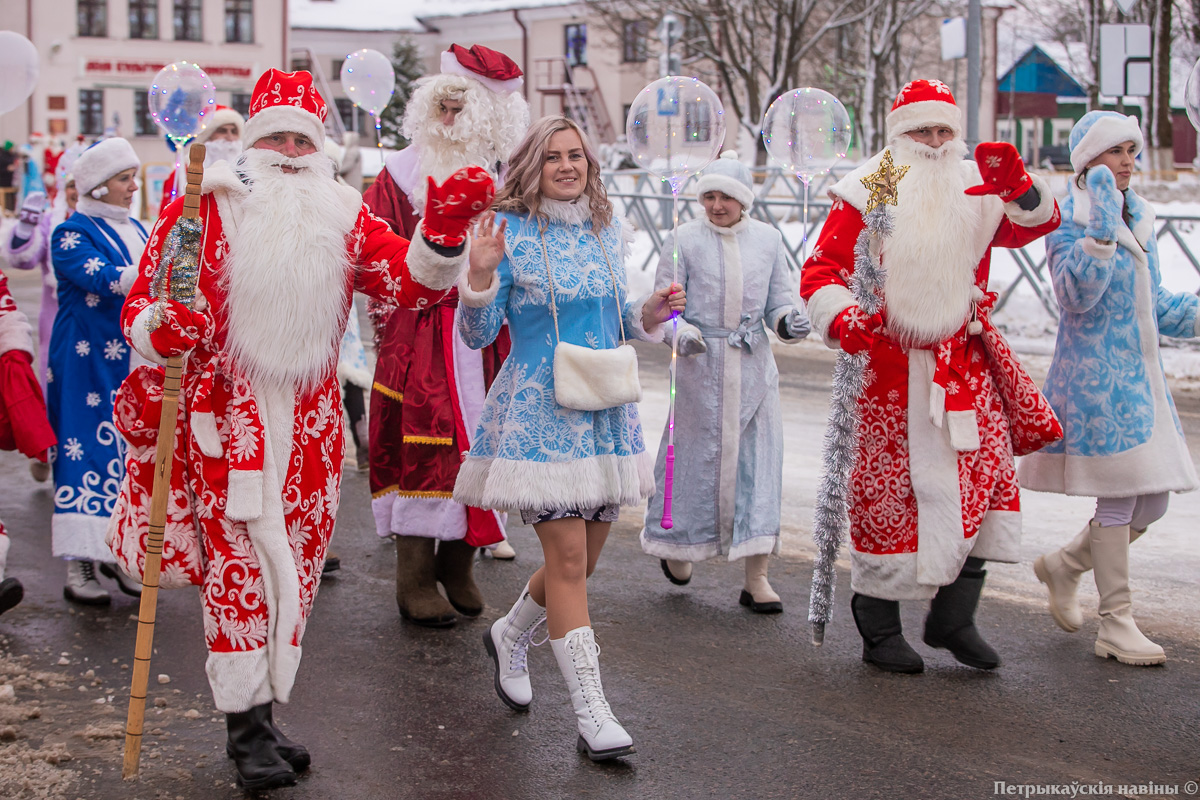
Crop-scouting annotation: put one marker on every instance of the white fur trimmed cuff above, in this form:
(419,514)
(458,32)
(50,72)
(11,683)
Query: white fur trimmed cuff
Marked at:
(139,337)
(824,306)
(128,276)
(633,322)
(473,299)
(15,333)
(239,681)
(1098,250)
(1039,215)
(245,500)
(431,270)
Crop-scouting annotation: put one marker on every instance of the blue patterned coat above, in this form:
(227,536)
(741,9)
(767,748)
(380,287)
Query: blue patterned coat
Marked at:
(530,452)
(1106,381)
(88,360)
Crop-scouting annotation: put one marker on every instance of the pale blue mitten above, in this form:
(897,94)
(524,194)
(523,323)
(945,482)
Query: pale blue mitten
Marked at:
(1107,204)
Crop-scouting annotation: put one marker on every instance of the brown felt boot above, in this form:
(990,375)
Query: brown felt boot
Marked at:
(455,570)
(416,584)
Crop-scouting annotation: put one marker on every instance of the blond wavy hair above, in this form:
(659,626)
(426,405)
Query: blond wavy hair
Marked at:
(522,189)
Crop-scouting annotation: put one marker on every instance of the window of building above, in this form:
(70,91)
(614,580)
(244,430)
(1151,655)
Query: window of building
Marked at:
(301,63)
(335,71)
(692,33)
(91,112)
(143,19)
(92,17)
(187,21)
(575,47)
(240,102)
(353,118)
(697,122)
(56,102)
(143,123)
(239,20)
(634,33)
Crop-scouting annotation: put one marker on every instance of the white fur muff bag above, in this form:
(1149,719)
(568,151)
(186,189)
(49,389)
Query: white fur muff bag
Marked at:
(592,380)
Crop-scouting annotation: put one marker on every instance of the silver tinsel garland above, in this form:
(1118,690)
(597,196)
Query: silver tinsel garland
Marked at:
(830,520)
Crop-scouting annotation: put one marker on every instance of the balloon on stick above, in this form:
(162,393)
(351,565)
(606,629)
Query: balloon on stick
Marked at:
(807,131)
(19,66)
(180,99)
(675,128)
(369,81)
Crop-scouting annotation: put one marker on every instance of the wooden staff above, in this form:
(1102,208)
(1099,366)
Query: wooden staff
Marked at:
(187,228)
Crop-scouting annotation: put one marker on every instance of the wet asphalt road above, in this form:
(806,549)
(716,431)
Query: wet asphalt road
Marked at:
(721,703)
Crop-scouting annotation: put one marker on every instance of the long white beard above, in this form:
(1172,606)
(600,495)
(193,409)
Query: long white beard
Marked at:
(222,150)
(931,256)
(287,273)
(442,157)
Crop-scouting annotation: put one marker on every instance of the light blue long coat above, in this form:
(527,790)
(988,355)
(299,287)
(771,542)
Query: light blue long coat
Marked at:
(1106,382)
(529,451)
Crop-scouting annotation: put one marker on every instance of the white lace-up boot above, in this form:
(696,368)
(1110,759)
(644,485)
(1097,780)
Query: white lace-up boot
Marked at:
(126,583)
(507,642)
(82,586)
(600,735)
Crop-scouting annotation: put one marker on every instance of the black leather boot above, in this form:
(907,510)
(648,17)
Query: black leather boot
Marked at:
(884,646)
(296,755)
(11,592)
(951,621)
(252,747)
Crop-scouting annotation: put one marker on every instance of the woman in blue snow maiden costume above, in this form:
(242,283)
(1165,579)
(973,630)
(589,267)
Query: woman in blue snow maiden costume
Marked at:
(1123,443)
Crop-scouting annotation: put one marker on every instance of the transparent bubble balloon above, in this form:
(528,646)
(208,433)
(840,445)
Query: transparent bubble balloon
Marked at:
(19,66)
(181,98)
(807,131)
(675,128)
(369,80)
(1191,96)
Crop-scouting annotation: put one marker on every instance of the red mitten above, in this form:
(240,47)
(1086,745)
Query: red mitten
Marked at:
(1002,170)
(854,330)
(451,207)
(180,330)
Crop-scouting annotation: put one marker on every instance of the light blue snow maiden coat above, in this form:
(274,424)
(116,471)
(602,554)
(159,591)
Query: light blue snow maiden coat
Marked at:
(529,451)
(1106,382)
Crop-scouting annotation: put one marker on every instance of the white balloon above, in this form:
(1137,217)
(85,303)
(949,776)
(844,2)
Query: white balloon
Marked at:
(675,128)
(19,66)
(807,131)
(1191,96)
(369,80)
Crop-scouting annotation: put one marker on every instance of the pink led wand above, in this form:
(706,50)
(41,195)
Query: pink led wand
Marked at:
(669,468)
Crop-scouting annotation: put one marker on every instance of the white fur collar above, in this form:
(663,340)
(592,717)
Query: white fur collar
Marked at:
(221,177)
(98,208)
(733,230)
(567,212)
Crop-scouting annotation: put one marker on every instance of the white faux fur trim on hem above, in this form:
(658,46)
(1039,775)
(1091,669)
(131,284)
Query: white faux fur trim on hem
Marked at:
(888,577)
(693,553)
(239,681)
(1098,250)
(999,537)
(823,308)
(1134,472)
(139,337)
(5,542)
(633,322)
(431,270)
(245,500)
(429,517)
(473,299)
(586,482)
(80,536)
(1039,214)
(15,333)
(767,544)
(204,431)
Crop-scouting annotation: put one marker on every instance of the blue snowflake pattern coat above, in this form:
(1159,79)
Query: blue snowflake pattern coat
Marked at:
(1106,381)
(88,360)
(529,451)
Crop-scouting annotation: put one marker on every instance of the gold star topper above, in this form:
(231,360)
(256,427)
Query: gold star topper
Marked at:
(884,182)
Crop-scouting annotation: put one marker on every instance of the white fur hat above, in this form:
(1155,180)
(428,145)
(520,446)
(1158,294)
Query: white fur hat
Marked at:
(221,115)
(729,176)
(1097,131)
(101,161)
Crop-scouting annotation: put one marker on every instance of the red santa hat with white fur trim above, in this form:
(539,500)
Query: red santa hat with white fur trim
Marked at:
(286,102)
(923,104)
(493,69)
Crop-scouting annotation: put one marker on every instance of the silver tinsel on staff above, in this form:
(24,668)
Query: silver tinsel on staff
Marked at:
(830,518)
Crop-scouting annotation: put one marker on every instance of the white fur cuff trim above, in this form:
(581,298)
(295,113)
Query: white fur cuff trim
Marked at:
(824,306)
(428,268)
(15,333)
(128,276)
(964,430)
(1038,215)
(633,322)
(473,299)
(139,337)
(239,681)
(1098,250)
(204,430)
(245,499)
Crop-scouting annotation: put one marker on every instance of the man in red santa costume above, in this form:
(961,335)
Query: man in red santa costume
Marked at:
(259,446)
(933,491)
(429,387)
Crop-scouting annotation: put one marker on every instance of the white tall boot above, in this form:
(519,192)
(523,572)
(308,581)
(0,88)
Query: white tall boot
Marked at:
(507,641)
(1118,636)
(600,735)
(1061,570)
(11,590)
(757,594)
(82,586)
